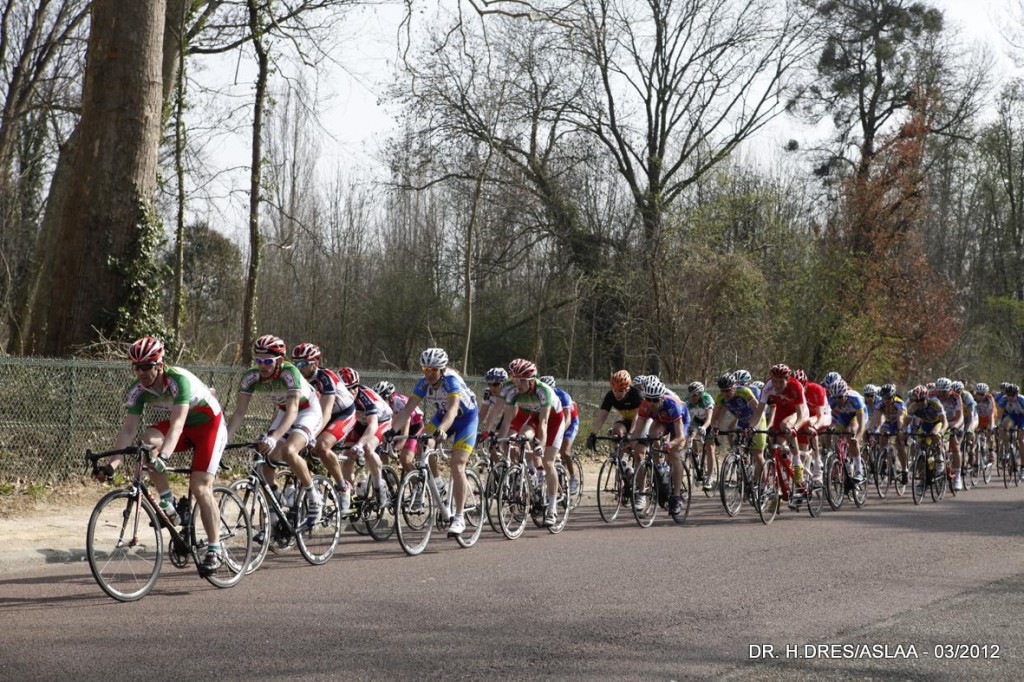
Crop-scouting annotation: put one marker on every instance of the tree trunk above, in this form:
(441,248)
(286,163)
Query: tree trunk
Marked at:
(113,177)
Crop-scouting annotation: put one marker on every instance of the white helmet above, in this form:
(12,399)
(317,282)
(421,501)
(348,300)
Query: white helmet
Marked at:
(434,357)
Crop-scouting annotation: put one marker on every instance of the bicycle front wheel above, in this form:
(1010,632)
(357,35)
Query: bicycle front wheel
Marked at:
(234,533)
(258,509)
(731,484)
(414,513)
(514,501)
(472,511)
(563,501)
(883,473)
(769,493)
(318,542)
(609,490)
(577,467)
(380,520)
(685,496)
(124,545)
(919,477)
(491,485)
(645,494)
(835,483)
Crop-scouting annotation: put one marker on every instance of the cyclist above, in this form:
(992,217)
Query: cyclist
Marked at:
(571,417)
(533,408)
(662,413)
(190,417)
(929,415)
(986,406)
(338,413)
(296,419)
(456,414)
(740,403)
(819,417)
(496,379)
(625,399)
(953,407)
(373,419)
(1011,409)
(870,394)
(889,420)
(970,409)
(849,413)
(786,408)
(397,402)
(701,407)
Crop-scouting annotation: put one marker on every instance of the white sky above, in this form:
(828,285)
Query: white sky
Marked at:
(354,124)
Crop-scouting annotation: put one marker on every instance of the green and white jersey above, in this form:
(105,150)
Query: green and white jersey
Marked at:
(536,400)
(176,386)
(287,381)
(700,407)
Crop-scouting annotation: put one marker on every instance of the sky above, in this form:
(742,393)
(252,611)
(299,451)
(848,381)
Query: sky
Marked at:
(354,123)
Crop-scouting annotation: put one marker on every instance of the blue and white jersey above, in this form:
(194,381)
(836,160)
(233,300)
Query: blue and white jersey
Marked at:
(1014,407)
(450,387)
(853,404)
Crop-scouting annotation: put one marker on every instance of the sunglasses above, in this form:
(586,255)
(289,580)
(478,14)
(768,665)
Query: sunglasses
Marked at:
(266,362)
(303,363)
(430,369)
(144,366)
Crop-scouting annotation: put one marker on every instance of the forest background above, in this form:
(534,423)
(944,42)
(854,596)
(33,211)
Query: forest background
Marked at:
(581,182)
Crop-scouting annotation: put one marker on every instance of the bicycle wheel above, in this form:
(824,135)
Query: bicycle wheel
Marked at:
(918,477)
(577,467)
(380,521)
(645,494)
(1015,466)
(815,498)
(937,483)
(256,506)
(858,490)
(769,493)
(711,476)
(415,513)
(124,545)
(984,454)
(319,542)
(883,473)
(491,495)
(835,483)
(685,496)
(730,486)
(609,490)
(472,511)
(563,500)
(234,536)
(514,501)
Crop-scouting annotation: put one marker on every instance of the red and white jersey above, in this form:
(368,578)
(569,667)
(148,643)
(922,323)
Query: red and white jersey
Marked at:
(787,400)
(368,404)
(817,400)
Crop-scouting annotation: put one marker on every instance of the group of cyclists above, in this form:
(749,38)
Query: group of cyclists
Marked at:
(317,408)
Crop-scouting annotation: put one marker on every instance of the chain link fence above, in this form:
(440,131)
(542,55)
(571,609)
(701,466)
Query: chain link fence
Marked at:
(52,410)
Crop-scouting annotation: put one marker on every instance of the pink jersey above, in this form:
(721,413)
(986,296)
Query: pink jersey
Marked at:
(398,403)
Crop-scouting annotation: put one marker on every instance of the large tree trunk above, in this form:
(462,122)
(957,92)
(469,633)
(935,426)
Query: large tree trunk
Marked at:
(114,174)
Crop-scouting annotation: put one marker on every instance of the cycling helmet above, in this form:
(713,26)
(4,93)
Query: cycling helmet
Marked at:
(757,386)
(496,375)
(641,381)
(919,392)
(800,376)
(522,369)
(838,388)
(1012,389)
(830,379)
(1003,386)
(306,351)
(887,391)
(349,377)
(781,371)
(957,386)
(269,345)
(621,380)
(742,376)
(930,385)
(146,349)
(726,381)
(981,387)
(385,389)
(695,388)
(943,384)
(547,379)
(870,389)
(654,389)
(434,357)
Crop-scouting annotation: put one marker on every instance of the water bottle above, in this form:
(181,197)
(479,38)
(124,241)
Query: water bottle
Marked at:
(288,496)
(361,484)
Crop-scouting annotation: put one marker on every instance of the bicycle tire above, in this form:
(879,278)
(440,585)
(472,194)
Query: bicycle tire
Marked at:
(731,484)
(125,570)
(318,543)
(815,499)
(986,465)
(494,475)
(769,493)
(380,521)
(712,476)
(919,477)
(609,490)
(685,497)
(415,513)
(472,511)
(835,483)
(883,473)
(645,494)
(859,491)
(514,501)
(256,505)
(937,483)
(577,466)
(234,535)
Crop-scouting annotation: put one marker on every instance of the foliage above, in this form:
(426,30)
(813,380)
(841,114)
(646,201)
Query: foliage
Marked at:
(144,277)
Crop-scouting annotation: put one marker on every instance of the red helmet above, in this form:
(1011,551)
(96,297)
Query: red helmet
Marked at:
(270,345)
(919,392)
(349,377)
(522,369)
(781,371)
(306,351)
(146,349)
(621,380)
(800,376)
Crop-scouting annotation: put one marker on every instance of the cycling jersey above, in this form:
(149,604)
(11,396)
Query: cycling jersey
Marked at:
(626,406)
(567,400)
(1012,408)
(670,412)
(985,406)
(286,381)
(369,404)
(327,382)
(536,400)
(817,399)
(845,412)
(700,407)
(177,386)
(738,405)
(952,406)
(970,407)
(891,410)
(787,400)
(450,386)
(397,403)
(929,410)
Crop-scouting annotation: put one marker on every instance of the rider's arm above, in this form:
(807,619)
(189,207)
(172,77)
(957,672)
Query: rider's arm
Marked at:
(862,423)
(241,407)
(128,429)
(602,416)
(453,411)
(510,414)
(493,415)
(680,440)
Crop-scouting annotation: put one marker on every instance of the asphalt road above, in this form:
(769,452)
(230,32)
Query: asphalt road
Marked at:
(598,601)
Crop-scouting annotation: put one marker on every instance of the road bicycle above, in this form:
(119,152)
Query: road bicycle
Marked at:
(927,471)
(521,495)
(840,478)
(279,521)
(694,466)
(366,515)
(421,506)
(886,474)
(777,485)
(507,450)
(614,479)
(124,542)
(652,485)
(1009,462)
(736,480)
